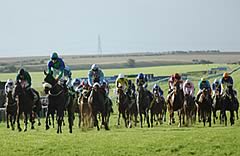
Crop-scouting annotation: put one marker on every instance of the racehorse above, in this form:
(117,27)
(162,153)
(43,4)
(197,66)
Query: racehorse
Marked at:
(122,102)
(56,100)
(205,106)
(217,104)
(96,100)
(228,103)
(190,109)
(175,103)
(132,110)
(85,108)
(11,109)
(143,101)
(157,108)
(24,105)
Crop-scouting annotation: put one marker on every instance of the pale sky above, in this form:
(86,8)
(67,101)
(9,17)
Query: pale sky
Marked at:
(31,27)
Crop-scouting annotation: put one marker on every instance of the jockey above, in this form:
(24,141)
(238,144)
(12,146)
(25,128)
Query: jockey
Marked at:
(203,84)
(9,86)
(26,81)
(76,85)
(216,85)
(95,74)
(84,84)
(56,66)
(68,76)
(106,86)
(121,81)
(131,88)
(157,88)
(142,80)
(227,82)
(173,79)
(188,88)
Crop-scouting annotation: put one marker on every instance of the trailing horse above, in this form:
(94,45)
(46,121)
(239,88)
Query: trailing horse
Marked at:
(11,110)
(132,111)
(24,105)
(205,106)
(190,109)
(86,109)
(228,103)
(157,108)
(217,105)
(96,100)
(143,100)
(122,102)
(56,100)
(175,103)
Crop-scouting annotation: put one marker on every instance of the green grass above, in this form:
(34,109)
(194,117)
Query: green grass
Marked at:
(160,140)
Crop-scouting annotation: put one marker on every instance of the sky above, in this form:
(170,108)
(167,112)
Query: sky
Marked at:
(37,28)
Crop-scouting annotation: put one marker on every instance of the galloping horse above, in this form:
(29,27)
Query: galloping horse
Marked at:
(24,105)
(217,104)
(85,109)
(228,103)
(56,100)
(96,100)
(123,102)
(11,110)
(175,103)
(190,109)
(132,110)
(157,108)
(205,106)
(143,101)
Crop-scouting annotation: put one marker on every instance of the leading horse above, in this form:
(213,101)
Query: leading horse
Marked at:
(56,99)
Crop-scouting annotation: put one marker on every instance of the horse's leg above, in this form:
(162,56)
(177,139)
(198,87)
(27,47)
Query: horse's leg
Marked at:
(209,118)
(47,120)
(8,120)
(18,122)
(119,115)
(141,119)
(125,118)
(52,115)
(70,118)
(12,121)
(38,117)
(25,121)
(214,116)
(180,118)
(151,118)
(147,117)
(32,120)
(232,117)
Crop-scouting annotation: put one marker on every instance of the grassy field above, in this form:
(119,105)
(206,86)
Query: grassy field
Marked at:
(160,140)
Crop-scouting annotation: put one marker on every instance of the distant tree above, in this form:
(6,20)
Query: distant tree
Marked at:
(131,63)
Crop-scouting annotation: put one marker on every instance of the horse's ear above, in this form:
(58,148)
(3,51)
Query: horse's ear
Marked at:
(45,73)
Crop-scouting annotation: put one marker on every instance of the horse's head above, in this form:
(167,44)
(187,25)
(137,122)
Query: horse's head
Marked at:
(49,78)
(206,94)
(156,93)
(96,87)
(176,88)
(18,90)
(119,89)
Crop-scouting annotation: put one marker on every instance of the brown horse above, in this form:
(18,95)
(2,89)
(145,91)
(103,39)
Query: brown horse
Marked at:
(96,100)
(122,102)
(85,109)
(11,110)
(132,111)
(175,103)
(205,106)
(157,108)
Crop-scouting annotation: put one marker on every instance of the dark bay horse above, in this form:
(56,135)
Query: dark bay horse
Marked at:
(217,105)
(24,105)
(132,111)
(96,100)
(175,103)
(228,103)
(143,101)
(205,106)
(190,109)
(56,100)
(11,109)
(122,102)
(157,108)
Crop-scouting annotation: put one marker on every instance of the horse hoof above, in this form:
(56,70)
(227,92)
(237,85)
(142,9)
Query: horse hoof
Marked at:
(25,130)
(8,126)
(39,124)
(13,128)
(70,131)
(32,127)
(19,129)
(47,127)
